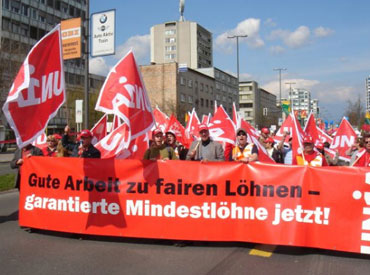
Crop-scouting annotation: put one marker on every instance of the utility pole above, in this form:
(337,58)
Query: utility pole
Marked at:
(280,69)
(237,52)
(87,53)
(290,94)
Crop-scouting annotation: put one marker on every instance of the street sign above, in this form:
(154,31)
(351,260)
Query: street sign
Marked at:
(103,33)
(79,109)
(71,38)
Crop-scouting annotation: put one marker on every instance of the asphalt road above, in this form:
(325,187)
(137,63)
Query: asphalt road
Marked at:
(5,168)
(45,252)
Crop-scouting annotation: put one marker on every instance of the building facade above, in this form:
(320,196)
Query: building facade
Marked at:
(177,92)
(257,106)
(184,42)
(225,91)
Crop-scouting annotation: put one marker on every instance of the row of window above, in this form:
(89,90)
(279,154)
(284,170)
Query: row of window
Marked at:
(203,102)
(42,16)
(223,77)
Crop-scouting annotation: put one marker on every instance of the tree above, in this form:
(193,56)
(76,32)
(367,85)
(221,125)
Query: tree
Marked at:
(355,112)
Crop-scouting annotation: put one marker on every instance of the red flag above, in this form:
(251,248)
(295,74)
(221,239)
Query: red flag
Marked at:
(137,147)
(99,131)
(175,126)
(253,137)
(324,137)
(311,128)
(236,119)
(343,139)
(38,90)
(205,119)
(287,126)
(116,122)
(161,119)
(191,129)
(221,127)
(40,141)
(113,144)
(124,95)
(297,137)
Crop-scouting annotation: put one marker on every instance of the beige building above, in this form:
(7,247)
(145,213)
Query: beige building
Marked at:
(257,106)
(184,42)
(179,91)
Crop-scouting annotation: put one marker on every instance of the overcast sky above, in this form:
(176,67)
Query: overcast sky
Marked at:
(325,45)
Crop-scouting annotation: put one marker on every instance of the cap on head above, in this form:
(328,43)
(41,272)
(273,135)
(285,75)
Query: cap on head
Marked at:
(269,140)
(241,130)
(265,131)
(86,133)
(202,127)
(157,131)
(171,132)
(308,139)
(57,136)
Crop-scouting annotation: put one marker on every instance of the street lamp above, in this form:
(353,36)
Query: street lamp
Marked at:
(237,52)
(290,94)
(280,69)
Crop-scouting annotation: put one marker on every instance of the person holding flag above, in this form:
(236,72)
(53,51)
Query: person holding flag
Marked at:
(85,149)
(309,156)
(205,149)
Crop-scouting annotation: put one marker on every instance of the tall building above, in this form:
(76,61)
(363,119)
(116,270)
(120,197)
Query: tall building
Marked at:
(257,106)
(184,42)
(315,107)
(302,102)
(368,94)
(23,23)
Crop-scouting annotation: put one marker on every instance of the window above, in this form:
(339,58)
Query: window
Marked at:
(201,102)
(170,48)
(170,32)
(201,86)
(206,88)
(190,83)
(170,40)
(182,98)
(217,86)
(25,10)
(211,90)
(6,4)
(182,80)
(170,56)
(190,99)
(207,103)
(15,6)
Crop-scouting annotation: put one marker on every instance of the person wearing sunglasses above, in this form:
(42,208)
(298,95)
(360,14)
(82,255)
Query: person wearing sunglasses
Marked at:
(243,151)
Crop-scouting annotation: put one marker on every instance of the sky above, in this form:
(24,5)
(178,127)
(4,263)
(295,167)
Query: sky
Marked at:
(324,45)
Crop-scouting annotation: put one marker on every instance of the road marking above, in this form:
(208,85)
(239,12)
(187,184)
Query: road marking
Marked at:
(263,250)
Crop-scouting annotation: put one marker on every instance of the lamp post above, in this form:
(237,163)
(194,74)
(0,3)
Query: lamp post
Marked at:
(237,52)
(87,53)
(280,69)
(290,94)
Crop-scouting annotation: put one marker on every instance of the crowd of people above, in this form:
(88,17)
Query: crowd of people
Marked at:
(164,146)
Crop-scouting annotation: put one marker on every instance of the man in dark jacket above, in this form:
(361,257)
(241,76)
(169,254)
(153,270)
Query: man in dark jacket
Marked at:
(81,150)
(19,156)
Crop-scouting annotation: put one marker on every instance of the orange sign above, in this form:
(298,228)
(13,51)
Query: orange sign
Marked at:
(325,207)
(71,38)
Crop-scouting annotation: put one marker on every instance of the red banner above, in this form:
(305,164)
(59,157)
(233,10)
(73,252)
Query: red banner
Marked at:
(325,207)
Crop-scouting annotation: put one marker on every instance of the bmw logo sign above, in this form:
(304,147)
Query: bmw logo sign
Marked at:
(103,19)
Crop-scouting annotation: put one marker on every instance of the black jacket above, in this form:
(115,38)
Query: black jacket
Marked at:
(91,152)
(18,155)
